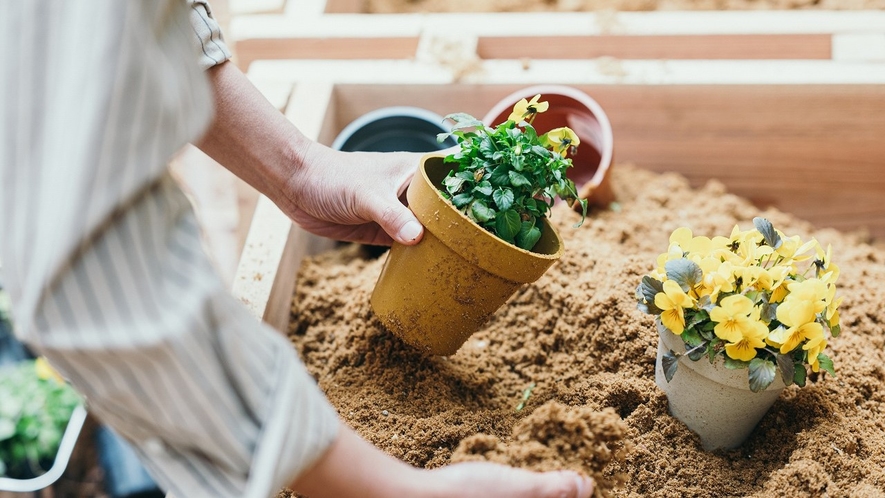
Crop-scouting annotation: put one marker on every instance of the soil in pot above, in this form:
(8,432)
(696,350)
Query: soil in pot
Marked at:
(573,349)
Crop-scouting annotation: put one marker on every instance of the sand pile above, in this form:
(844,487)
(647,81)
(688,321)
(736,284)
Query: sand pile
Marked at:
(577,348)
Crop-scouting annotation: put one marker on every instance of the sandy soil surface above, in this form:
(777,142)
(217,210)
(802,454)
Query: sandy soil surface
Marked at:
(575,345)
(394,6)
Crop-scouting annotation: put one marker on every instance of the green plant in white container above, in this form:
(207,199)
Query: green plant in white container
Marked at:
(37,407)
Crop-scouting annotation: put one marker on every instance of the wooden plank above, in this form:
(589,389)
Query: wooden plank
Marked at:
(675,23)
(252,49)
(807,46)
(812,150)
(579,71)
(265,277)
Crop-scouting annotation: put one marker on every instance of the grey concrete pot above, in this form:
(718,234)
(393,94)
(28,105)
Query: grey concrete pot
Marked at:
(714,402)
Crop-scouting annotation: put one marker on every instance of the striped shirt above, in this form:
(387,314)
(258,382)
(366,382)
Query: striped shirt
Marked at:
(102,257)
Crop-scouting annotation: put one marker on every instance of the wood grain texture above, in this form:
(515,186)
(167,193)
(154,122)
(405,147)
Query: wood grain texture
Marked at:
(252,49)
(759,47)
(811,150)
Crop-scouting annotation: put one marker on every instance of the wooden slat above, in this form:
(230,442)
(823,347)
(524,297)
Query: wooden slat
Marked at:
(815,46)
(249,50)
(275,247)
(812,150)
(669,23)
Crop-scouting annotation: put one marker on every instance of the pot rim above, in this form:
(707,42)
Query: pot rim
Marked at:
(737,379)
(518,265)
(62,456)
(384,113)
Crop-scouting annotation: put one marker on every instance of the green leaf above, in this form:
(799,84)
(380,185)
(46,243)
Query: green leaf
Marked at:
(732,364)
(697,352)
(481,212)
(836,330)
(518,180)
(484,188)
(462,200)
(463,120)
(705,304)
(503,198)
(761,374)
(768,312)
(453,184)
(826,364)
(716,345)
(486,146)
(799,375)
(691,337)
(684,272)
(669,363)
(646,292)
(768,232)
(787,368)
(693,318)
(528,236)
(507,224)
(500,176)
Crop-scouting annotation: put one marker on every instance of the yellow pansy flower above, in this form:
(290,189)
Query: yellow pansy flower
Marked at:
(827,270)
(673,301)
(812,291)
(756,277)
(732,317)
(833,304)
(753,337)
(683,237)
(717,278)
(525,110)
(562,139)
(794,313)
(791,337)
(815,347)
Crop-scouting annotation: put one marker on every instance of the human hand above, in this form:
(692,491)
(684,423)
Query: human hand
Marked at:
(352,467)
(353,196)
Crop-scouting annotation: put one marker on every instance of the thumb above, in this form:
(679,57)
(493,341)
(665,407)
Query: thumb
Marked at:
(400,223)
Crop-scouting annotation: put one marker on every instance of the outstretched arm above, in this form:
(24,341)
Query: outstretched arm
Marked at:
(351,467)
(347,196)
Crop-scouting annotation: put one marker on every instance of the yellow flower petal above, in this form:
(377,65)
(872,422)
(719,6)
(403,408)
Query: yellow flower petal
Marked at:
(45,370)
(525,110)
(562,139)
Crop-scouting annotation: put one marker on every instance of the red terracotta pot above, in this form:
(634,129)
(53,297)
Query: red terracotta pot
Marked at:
(575,109)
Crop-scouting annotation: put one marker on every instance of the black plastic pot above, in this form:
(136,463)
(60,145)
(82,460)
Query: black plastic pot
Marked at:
(394,129)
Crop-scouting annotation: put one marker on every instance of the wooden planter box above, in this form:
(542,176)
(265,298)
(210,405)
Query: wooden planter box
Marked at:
(335,29)
(814,150)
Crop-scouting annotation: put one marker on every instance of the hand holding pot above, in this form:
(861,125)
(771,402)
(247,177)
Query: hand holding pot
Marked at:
(353,196)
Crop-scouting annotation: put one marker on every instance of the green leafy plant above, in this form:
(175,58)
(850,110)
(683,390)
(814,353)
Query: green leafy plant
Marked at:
(35,410)
(508,177)
(758,299)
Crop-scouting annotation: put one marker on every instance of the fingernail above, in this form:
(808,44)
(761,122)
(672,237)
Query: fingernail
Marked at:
(410,231)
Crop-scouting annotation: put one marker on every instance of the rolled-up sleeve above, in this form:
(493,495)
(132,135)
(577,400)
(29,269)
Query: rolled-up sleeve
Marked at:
(102,255)
(207,34)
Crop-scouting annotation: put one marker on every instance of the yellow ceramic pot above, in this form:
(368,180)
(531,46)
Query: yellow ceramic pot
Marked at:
(437,293)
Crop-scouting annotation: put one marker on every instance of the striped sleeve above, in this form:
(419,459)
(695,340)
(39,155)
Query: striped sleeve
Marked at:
(103,260)
(213,49)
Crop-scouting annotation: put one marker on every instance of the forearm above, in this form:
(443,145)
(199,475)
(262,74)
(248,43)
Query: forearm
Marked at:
(250,137)
(352,467)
